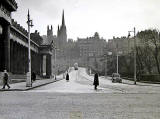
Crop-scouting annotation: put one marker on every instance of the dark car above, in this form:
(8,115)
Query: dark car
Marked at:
(76,66)
(116,78)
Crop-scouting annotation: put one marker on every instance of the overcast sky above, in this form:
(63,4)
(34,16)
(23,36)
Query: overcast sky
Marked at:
(84,17)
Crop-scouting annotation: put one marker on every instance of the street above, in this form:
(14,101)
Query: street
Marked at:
(79,59)
(77,99)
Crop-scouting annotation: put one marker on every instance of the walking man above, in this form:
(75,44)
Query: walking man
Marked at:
(33,76)
(96,81)
(5,80)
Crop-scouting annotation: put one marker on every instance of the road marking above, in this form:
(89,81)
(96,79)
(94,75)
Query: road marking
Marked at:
(75,115)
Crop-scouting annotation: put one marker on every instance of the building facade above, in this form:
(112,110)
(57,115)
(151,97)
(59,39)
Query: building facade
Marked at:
(91,47)
(122,45)
(14,45)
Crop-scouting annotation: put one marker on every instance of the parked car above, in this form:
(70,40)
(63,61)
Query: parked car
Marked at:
(116,78)
(76,66)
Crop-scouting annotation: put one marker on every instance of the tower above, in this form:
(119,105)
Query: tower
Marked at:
(63,20)
(58,31)
(49,31)
(49,34)
(62,33)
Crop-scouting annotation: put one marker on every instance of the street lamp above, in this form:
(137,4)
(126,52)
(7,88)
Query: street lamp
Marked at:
(30,24)
(106,67)
(117,60)
(134,31)
(116,45)
(55,61)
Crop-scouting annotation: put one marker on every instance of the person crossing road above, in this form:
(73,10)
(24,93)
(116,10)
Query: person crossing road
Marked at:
(67,77)
(96,81)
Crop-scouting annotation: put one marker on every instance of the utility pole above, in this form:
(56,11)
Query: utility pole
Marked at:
(105,66)
(117,61)
(117,54)
(30,24)
(135,45)
(55,62)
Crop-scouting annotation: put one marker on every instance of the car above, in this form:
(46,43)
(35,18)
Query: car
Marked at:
(116,78)
(75,66)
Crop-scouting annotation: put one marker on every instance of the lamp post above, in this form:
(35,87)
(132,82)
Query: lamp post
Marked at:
(116,47)
(55,61)
(106,60)
(28,81)
(135,44)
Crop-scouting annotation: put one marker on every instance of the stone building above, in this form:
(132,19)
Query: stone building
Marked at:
(122,45)
(14,45)
(91,47)
(59,44)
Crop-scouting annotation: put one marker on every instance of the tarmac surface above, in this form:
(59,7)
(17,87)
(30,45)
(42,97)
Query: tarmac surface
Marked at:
(77,99)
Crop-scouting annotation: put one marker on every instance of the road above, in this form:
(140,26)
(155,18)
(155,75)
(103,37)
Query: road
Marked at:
(77,99)
(78,83)
(81,82)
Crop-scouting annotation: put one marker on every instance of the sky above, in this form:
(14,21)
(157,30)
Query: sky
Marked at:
(85,17)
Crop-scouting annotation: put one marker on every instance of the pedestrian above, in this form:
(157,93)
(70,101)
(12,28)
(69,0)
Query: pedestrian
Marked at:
(67,77)
(96,81)
(33,76)
(5,80)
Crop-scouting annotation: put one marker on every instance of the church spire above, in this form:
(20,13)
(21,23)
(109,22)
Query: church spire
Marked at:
(58,31)
(63,20)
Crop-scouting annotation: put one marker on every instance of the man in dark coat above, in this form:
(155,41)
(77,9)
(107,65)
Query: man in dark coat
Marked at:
(96,81)
(33,76)
(5,80)
(67,77)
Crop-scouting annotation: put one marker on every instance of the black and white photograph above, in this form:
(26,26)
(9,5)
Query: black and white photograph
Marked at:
(79,59)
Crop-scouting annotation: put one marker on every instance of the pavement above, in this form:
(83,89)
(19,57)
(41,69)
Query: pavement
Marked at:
(38,83)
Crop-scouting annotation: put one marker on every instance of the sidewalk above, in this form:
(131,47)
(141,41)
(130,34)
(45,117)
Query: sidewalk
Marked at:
(22,86)
(129,82)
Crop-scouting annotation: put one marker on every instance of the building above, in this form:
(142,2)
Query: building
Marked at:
(122,45)
(91,47)
(59,45)
(14,45)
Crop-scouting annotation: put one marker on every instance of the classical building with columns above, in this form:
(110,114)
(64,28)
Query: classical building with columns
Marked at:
(14,45)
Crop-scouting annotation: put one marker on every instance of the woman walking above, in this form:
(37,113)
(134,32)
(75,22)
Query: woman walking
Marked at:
(67,77)
(96,81)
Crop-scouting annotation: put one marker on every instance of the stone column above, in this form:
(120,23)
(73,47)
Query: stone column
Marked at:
(48,66)
(11,56)
(41,65)
(1,52)
(14,57)
(6,33)
(23,60)
(17,60)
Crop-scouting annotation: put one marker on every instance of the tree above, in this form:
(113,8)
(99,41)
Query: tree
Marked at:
(149,49)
